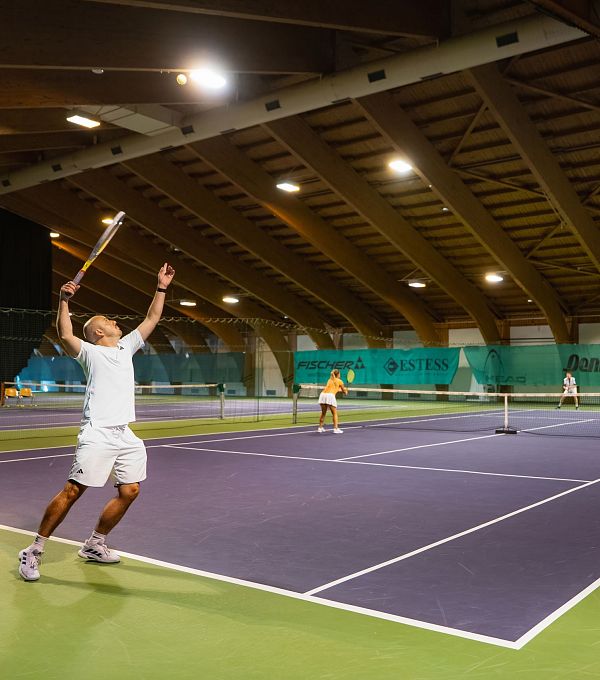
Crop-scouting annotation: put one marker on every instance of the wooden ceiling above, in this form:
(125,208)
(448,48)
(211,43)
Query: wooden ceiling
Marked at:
(506,167)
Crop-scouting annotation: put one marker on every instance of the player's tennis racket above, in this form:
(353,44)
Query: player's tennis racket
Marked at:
(103,241)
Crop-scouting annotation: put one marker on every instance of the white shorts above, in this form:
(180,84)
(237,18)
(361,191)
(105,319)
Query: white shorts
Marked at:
(103,452)
(571,392)
(327,398)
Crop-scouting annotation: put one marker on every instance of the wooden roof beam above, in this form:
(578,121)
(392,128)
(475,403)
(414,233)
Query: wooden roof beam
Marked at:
(248,175)
(396,125)
(55,208)
(305,144)
(93,301)
(184,190)
(136,289)
(104,186)
(201,284)
(508,111)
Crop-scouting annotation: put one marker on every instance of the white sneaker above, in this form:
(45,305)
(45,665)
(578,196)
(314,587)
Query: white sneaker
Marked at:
(337,430)
(30,560)
(321,429)
(99,552)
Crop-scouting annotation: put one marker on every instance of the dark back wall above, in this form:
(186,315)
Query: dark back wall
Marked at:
(25,284)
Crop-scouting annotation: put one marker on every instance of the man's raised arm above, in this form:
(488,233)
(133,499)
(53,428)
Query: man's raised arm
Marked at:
(64,327)
(165,276)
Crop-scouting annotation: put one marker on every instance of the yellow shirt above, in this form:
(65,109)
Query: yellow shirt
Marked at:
(334,385)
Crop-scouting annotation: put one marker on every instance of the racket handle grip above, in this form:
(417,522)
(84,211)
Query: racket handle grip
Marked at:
(78,276)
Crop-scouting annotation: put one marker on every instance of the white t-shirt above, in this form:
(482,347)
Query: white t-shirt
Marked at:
(569,385)
(110,391)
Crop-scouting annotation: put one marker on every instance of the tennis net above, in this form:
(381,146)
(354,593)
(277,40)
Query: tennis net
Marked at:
(535,413)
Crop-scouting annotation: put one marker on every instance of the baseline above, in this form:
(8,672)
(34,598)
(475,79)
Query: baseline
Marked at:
(292,594)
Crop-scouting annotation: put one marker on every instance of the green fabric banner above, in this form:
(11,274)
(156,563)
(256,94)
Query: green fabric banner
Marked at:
(535,365)
(420,366)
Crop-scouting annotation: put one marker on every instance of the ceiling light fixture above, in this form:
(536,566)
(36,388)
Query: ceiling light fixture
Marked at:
(399,165)
(107,220)
(290,187)
(417,283)
(84,121)
(209,77)
(187,303)
(494,277)
(54,234)
(230,299)
(181,79)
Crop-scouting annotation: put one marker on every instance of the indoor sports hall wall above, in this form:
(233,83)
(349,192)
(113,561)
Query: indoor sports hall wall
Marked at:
(25,283)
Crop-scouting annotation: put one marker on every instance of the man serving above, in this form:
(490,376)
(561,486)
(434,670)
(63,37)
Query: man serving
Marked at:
(106,445)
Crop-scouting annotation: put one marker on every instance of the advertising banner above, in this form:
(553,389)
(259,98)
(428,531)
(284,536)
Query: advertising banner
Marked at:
(379,366)
(535,365)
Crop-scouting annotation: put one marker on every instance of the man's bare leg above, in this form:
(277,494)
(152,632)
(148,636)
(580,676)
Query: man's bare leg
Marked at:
(116,507)
(57,510)
(59,507)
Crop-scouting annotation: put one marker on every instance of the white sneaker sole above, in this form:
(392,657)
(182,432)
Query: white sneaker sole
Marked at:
(94,558)
(21,574)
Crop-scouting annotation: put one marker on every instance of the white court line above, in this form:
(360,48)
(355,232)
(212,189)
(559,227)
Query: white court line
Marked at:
(323,460)
(551,618)
(422,446)
(19,460)
(170,436)
(257,436)
(361,462)
(415,623)
(442,541)
(546,427)
(245,453)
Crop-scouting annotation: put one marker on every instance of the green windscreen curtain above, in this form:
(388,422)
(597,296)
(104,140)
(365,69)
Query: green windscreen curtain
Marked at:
(149,368)
(423,366)
(535,365)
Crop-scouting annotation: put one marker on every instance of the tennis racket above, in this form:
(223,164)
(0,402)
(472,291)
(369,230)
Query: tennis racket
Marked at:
(101,244)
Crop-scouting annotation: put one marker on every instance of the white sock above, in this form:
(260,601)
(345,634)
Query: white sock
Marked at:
(39,542)
(96,538)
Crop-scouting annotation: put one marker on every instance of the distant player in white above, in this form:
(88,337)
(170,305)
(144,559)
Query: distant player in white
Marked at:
(569,390)
(105,445)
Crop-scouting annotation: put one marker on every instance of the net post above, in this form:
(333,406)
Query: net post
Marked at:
(221,391)
(505,429)
(2,393)
(295,393)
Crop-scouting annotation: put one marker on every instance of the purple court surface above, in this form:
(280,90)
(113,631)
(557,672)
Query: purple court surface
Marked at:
(481,535)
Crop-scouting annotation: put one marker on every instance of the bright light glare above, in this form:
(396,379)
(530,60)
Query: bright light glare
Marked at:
(494,278)
(208,77)
(84,122)
(229,298)
(54,234)
(187,303)
(181,79)
(417,284)
(107,220)
(290,187)
(400,165)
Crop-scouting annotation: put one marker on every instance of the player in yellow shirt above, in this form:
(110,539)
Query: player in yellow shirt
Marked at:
(327,400)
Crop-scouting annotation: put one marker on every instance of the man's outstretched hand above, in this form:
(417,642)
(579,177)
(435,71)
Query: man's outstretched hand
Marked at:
(68,290)
(165,275)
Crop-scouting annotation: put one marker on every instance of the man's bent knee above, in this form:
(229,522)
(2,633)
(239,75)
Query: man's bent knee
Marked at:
(129,491)
(73,490)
